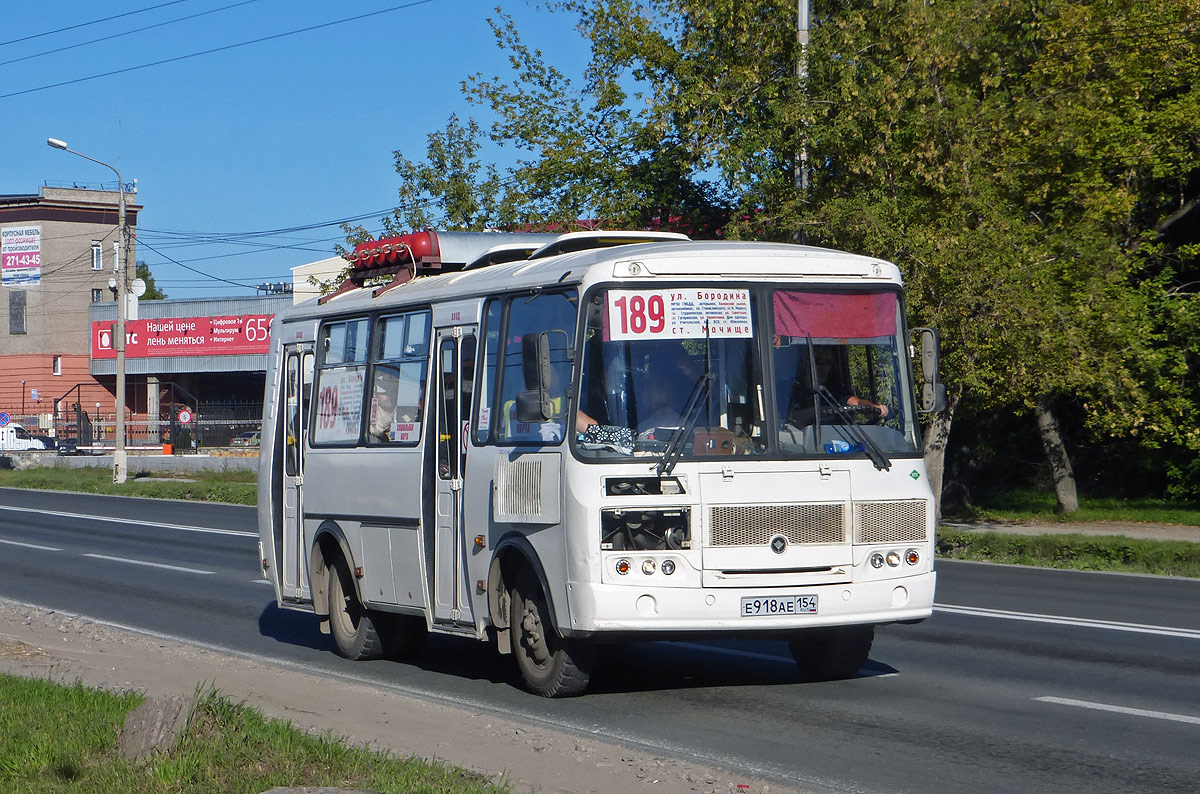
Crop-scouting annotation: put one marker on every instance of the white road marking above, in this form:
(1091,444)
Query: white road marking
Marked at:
(88,516)
(1087,704)
(29,545)
(149,564)
(261,581)
(1110,625)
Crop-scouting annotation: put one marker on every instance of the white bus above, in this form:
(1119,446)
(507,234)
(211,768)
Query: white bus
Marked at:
(551,443)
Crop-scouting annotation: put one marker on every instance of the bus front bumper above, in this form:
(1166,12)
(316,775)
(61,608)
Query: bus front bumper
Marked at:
(598,609)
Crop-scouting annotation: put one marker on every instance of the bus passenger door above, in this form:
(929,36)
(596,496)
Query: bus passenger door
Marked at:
(454,384)
(297,386)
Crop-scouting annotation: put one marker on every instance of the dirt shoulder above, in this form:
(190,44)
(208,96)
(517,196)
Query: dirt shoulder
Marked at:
(39,643)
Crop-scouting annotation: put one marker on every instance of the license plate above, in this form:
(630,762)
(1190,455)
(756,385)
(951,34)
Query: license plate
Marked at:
(763,606)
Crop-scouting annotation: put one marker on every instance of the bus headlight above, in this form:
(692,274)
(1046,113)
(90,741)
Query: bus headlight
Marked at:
(622,566)
(876,560)
(667,567)
(893,559)
(912,556)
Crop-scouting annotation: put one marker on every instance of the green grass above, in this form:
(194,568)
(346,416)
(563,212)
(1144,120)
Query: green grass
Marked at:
(1038,507)
(233,487)
(1074,551)
(62,739)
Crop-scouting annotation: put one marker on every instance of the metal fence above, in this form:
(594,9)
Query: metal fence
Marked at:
(186,428)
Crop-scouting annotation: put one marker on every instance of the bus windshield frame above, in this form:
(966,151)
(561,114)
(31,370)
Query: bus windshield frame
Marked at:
(693,372)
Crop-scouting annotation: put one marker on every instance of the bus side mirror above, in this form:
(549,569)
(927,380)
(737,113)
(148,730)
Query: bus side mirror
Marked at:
(933,391)
(534,404)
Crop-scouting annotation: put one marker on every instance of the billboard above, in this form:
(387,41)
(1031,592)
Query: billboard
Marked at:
(226,335)
(21,255)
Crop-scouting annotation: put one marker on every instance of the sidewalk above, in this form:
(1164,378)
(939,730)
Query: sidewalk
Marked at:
(1128,529)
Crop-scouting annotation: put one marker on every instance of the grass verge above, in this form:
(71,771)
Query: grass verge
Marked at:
(1073,551)
(233,487)
(1038,507)
(62,739)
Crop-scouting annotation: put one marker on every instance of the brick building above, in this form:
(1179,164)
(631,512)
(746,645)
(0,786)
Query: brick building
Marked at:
(57,258)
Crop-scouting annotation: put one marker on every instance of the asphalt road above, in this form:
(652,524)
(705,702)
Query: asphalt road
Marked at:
(1025,680)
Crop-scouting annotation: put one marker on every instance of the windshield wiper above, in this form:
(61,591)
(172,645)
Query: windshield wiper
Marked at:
(697,399)
(691,411)
(870,448)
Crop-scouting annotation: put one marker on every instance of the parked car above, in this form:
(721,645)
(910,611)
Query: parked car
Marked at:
(247,439)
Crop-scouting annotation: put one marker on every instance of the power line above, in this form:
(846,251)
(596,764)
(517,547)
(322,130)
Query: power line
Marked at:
(125,33)
(216,49)
(93,22)
(194,270)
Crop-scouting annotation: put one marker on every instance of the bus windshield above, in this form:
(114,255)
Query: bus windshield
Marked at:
(694,372)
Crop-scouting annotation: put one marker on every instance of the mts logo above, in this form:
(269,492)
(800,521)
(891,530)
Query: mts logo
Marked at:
(104,340)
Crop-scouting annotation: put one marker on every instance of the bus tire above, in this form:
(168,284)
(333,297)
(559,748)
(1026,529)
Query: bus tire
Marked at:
(832,652)
(404,637)
(352,626)
(550,665)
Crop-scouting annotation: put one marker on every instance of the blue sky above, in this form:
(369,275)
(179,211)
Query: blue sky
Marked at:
(293,131)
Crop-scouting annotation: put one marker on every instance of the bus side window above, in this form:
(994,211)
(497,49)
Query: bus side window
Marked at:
(341,372)
(554,311)
(486,382)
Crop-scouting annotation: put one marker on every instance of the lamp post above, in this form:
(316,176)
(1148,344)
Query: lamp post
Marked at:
(119,455)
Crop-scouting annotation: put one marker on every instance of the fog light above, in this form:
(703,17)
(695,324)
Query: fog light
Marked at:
(893,559)
(668,567)
(912,557)
(648,567)
(622,567)
(876,560)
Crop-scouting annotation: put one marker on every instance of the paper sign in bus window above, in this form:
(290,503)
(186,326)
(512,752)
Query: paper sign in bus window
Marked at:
(679,314)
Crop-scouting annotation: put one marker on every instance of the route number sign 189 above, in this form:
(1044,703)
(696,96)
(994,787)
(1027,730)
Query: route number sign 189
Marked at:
(678,314)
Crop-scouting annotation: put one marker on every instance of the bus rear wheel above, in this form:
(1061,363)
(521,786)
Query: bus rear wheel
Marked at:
(352,626)
(550,665)
(832,652)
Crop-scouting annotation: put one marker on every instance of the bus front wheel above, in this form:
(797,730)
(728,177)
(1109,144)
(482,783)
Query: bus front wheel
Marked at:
(352,626)
(550,665)
(832,652)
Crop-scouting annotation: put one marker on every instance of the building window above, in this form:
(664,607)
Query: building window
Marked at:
(97,295)
(56,365)
(97,256)
(16,312)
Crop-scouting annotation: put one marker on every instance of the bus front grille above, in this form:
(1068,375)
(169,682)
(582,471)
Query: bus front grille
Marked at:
(874,522)
(890,522)
(755,525)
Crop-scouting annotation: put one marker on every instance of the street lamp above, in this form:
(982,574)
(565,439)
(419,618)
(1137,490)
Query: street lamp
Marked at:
(119,468)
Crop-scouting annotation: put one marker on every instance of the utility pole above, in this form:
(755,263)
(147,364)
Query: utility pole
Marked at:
(119,454)
(801,170)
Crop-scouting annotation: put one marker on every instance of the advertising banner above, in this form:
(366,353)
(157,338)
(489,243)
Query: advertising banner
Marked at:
(229,335)
(21,255)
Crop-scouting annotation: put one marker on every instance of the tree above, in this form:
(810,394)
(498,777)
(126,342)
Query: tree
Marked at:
(998,151)
(153,293)
(1021,160)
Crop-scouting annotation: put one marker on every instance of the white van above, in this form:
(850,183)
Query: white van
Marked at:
(15,437)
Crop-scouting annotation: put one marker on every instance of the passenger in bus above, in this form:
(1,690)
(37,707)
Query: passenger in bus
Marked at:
(830,375)
(383,410)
